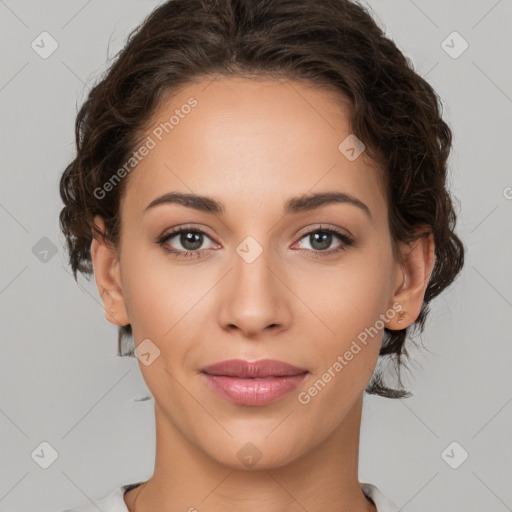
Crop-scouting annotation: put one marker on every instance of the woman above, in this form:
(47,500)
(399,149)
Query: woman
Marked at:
(260,191)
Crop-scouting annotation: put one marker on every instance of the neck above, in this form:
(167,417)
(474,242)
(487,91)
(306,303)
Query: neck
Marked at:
(186,478)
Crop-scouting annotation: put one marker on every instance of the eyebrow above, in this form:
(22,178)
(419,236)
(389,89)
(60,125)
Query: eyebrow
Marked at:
(301,203)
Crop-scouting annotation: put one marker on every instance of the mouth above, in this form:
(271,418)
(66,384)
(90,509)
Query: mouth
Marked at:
(258,369)
(253,383)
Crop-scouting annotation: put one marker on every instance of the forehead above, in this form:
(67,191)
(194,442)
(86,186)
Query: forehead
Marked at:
(250,142)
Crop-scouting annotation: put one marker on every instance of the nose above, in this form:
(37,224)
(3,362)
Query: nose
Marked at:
(253,298)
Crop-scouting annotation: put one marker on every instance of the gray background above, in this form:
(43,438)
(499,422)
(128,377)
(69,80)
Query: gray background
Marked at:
(61,381)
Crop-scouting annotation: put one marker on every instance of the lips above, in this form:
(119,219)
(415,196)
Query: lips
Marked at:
(264,368)
(253,384)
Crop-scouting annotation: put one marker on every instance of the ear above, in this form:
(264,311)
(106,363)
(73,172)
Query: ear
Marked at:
(418,260)
(108,276)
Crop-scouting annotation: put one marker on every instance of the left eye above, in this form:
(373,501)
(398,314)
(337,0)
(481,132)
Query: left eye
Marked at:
(322,239)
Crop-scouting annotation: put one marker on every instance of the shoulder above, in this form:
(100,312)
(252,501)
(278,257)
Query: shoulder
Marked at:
(112,502)
(382,503)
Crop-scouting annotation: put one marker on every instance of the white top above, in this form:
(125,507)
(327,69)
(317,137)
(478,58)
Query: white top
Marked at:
(114,501)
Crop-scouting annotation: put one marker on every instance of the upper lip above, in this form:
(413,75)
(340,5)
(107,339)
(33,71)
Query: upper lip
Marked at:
(246,369)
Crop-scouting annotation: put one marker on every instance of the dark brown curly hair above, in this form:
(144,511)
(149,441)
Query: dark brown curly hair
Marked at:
(332,43)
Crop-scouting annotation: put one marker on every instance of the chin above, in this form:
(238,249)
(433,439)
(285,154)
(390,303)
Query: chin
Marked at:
(257,455)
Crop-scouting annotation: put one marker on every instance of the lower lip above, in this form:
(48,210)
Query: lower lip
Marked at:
(260,391)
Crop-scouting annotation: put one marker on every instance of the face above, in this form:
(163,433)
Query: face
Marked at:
(253,280)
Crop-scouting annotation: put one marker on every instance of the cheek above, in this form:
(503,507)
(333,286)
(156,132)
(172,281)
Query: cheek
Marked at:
(349,304)
(152,289)
(346,355)
(165,301)
(345,299)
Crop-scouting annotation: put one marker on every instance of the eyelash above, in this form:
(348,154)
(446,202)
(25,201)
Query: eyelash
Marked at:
(346,240)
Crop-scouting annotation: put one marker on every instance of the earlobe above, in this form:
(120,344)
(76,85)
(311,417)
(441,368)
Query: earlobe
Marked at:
(107,276)
(418,260)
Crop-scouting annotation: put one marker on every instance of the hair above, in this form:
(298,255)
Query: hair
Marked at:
(332,44)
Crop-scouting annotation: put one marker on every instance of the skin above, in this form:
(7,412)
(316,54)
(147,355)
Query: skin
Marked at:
(252,144)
